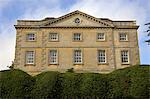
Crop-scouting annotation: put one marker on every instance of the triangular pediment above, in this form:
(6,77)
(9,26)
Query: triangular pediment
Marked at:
(77,19)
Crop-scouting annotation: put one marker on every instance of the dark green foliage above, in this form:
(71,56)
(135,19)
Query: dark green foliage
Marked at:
(94,85)
(15,84)
(45,86)
(70,84)
(129,83)
(140,82)
(120,82)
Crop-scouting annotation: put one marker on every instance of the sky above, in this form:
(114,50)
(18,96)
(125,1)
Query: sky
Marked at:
(13,10)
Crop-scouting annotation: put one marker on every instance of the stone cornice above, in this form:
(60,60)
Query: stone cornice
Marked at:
(79,47)
(126,27)
(37,27)
(73,27)
(26,27)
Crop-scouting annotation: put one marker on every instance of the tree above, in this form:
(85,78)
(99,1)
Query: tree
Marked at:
(148,33)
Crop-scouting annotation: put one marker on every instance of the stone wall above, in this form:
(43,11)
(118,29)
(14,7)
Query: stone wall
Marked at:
(66,27)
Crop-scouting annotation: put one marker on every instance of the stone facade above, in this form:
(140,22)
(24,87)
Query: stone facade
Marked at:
(65,27)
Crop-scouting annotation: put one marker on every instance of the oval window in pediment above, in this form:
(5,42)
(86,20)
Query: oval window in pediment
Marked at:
(77,20)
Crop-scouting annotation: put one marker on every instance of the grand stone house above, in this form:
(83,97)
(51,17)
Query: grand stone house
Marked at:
(75,40)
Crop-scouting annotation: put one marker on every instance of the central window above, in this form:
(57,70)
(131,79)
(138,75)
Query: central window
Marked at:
(100,36)
(53,36)
(77,56)
(30,57)
(53,57)
(77,37)
(101,56)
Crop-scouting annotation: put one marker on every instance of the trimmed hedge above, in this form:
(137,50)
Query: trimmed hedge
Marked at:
(45,86)
(15,84)
(70,83)
(132,82)
(95,85)
(128,83)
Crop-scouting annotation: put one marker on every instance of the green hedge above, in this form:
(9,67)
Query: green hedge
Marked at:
(129,83)
(15,84)
(132,82)
(95,85)
(70,83)
(45,86)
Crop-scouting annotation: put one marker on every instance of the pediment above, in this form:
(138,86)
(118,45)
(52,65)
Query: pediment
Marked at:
(77,19)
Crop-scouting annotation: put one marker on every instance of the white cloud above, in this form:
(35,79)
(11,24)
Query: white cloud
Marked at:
(6,52)
(7,45)
(113,9)
(41,13)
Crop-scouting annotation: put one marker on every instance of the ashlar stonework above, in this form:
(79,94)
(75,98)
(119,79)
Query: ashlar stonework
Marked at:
(76,40)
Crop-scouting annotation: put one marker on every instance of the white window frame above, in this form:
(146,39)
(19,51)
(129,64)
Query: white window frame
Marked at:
(101,36)
(123,37)
(101,56)
(31,37)
(30,57)
(125,57)
(53,37)
(77,56)
(53,57)
(77,37)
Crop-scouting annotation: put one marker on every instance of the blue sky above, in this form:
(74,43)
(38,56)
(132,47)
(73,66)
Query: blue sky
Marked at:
(13,10)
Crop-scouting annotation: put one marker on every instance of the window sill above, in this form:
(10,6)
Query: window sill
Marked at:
(52,64)
(78,64)
(30,40)
(29,65)
(124,40)
(102,63)
(100,40)
(53,41)
(77,41)
(125,63)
